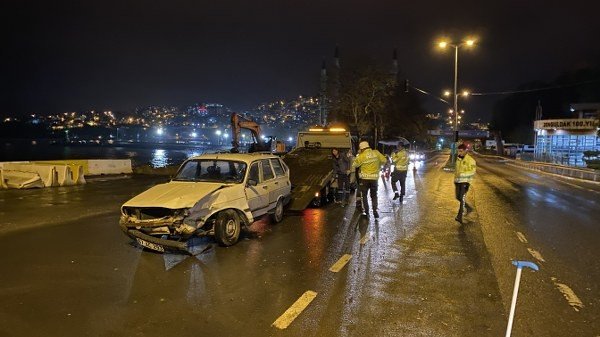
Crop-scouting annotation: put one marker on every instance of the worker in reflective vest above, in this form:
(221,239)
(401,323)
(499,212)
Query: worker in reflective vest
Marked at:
(463,174)
(369,162)
(400,160)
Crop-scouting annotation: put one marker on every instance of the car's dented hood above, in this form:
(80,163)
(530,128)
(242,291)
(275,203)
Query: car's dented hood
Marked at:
(174,194)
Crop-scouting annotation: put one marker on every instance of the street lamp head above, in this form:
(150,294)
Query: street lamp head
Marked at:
(447,93)
(443,44)
(465,93)
(470,42)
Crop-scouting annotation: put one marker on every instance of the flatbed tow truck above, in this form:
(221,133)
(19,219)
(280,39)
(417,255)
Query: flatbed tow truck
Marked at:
(311,167)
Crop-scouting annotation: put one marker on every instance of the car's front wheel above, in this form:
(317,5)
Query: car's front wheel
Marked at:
(277,215)
(227,228)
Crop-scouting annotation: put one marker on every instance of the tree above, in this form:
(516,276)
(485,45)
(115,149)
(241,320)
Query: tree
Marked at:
(407,117)
(363,97)
(373,102)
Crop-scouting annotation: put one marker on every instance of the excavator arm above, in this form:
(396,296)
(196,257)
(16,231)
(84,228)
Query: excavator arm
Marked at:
(237,124)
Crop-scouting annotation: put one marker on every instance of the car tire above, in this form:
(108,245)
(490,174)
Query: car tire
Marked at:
(227,228)
(277,215)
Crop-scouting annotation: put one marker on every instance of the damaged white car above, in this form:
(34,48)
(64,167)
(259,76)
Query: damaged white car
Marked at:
(212,194)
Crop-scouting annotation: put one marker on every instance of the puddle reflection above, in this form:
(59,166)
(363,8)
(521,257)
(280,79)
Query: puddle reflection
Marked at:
(313,222)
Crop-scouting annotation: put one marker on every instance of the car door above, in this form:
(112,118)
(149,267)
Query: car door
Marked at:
(282,184)
(269,179)
(256,194)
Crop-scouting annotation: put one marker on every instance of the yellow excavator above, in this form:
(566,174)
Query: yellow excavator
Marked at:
(258,145)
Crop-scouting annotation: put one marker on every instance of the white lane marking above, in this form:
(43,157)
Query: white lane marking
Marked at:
(521,237)
(364,239)
(340,263)
(536,254)
(569,295)
(295,310)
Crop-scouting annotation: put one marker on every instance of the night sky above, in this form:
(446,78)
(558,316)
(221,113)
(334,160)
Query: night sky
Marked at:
(66,56)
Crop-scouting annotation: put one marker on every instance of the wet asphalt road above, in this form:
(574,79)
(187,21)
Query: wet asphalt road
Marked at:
(67,270)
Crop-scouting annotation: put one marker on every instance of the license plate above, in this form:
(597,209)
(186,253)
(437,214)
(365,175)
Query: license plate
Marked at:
(150,245)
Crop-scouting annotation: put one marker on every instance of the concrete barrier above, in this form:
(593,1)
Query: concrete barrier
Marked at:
(94,166)
(109,166)
(65,175)
(78,176)
(21,179)
(12,162)
(68,173)
(58,172)
(47,173)
(2,181)
(70,162)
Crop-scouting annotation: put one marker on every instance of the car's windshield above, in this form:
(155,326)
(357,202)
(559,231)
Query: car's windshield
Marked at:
(212,170)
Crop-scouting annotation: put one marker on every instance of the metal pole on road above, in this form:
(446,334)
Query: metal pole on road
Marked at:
(513,304)
(443,44)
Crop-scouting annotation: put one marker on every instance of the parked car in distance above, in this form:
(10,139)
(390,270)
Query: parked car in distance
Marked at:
(212,194)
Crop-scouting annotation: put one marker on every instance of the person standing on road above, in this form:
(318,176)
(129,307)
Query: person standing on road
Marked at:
(341,167)
(369,162)
(463,174)
(400,160)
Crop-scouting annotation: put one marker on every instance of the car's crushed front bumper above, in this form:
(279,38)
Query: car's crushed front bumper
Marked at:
(163,234)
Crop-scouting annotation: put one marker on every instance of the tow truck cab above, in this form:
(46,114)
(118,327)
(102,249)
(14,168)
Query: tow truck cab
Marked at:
(311,167)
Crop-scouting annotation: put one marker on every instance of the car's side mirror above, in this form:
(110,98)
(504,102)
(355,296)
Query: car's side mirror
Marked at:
(252,182)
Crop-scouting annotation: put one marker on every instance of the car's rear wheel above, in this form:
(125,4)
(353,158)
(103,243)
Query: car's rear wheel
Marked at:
(227,228)
(277,215)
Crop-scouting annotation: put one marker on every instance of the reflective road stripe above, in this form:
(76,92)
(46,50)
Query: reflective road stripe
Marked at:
(340,263)
(295,310)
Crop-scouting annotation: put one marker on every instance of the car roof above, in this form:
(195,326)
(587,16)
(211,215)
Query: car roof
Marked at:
(245,157)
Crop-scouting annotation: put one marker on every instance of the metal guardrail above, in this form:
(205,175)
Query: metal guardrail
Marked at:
(573,172)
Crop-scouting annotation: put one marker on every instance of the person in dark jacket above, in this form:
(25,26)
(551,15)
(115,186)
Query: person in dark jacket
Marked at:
(341,169)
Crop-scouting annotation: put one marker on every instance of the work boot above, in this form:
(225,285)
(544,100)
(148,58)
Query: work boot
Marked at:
(401,198)
(459,219)
(396,196)
(375,215)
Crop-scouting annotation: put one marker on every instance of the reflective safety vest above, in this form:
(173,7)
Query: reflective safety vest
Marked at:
(464,169)
(369,161)
(400,159)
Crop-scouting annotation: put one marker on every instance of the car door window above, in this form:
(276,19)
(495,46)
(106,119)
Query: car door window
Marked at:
(279,171)
(267,170)
(254,173)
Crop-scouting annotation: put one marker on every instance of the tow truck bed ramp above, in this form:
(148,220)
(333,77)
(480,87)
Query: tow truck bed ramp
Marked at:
(310,169)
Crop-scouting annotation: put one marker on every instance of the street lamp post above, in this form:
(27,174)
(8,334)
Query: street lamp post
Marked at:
(456,46)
